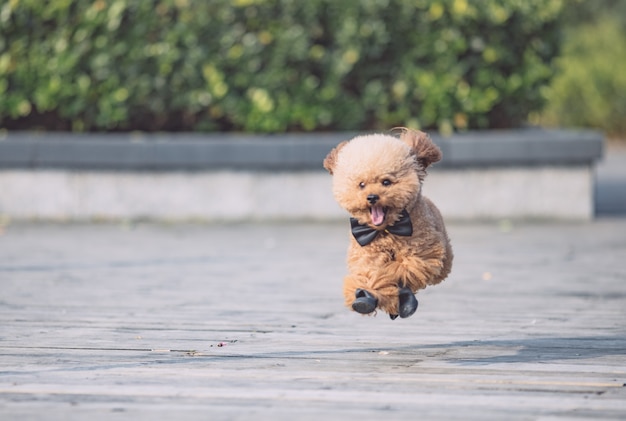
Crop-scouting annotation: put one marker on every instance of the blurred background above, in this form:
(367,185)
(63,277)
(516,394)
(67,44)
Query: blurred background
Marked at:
(286,66)
(320,65)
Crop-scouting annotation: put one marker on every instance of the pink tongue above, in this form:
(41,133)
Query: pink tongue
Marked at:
(378,215)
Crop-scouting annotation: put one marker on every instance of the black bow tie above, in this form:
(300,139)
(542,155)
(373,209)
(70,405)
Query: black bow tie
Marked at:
(364,234)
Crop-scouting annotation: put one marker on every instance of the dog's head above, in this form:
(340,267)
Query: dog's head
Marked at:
(376,177)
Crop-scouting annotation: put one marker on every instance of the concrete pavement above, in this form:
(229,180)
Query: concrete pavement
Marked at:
(246,321)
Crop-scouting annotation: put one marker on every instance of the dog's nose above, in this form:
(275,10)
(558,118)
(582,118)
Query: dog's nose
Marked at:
(373,198)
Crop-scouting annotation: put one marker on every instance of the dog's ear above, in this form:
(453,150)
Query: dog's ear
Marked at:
(331,159)
(422,146)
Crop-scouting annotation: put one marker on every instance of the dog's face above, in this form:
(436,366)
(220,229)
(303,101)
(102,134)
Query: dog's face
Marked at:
(376,177)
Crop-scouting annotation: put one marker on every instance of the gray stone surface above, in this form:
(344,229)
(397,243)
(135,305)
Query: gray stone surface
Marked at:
(166,152)
(184,151)
(529,147)
(561,192)
(610,189)
(246,321)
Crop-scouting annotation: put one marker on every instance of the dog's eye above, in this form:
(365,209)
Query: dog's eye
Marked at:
(386,182)
(362,185)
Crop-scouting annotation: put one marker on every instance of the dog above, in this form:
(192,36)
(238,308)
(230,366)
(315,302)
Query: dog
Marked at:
(399,242)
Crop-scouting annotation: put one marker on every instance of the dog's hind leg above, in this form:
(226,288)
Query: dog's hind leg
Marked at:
(359,296)
(364,302)
(396,301)
(407,303)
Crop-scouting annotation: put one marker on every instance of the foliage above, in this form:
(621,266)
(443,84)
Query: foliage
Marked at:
(589,89)
(273,65)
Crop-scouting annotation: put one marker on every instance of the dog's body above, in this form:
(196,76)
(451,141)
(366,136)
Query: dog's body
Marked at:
(399,242)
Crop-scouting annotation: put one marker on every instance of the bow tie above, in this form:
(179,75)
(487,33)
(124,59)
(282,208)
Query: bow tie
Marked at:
(364,234)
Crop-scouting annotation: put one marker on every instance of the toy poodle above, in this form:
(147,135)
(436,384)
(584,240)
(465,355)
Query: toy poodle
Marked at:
(399,242)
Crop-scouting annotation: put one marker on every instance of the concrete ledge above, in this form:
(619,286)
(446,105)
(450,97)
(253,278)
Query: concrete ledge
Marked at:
(202,196)
(186,151)
(538,192)
(167,152)
(484,175)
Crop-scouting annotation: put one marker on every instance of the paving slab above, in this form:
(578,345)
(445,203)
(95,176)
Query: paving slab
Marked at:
(246,321)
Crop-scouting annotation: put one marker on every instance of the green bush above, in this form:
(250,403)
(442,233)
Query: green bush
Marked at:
(589,89)
(273,65)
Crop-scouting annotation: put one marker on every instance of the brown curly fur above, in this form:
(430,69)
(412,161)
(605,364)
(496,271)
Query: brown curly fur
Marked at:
(390,262)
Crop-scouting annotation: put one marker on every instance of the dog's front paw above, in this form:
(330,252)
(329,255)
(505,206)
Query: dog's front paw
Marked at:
(365,302)
(407,303)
